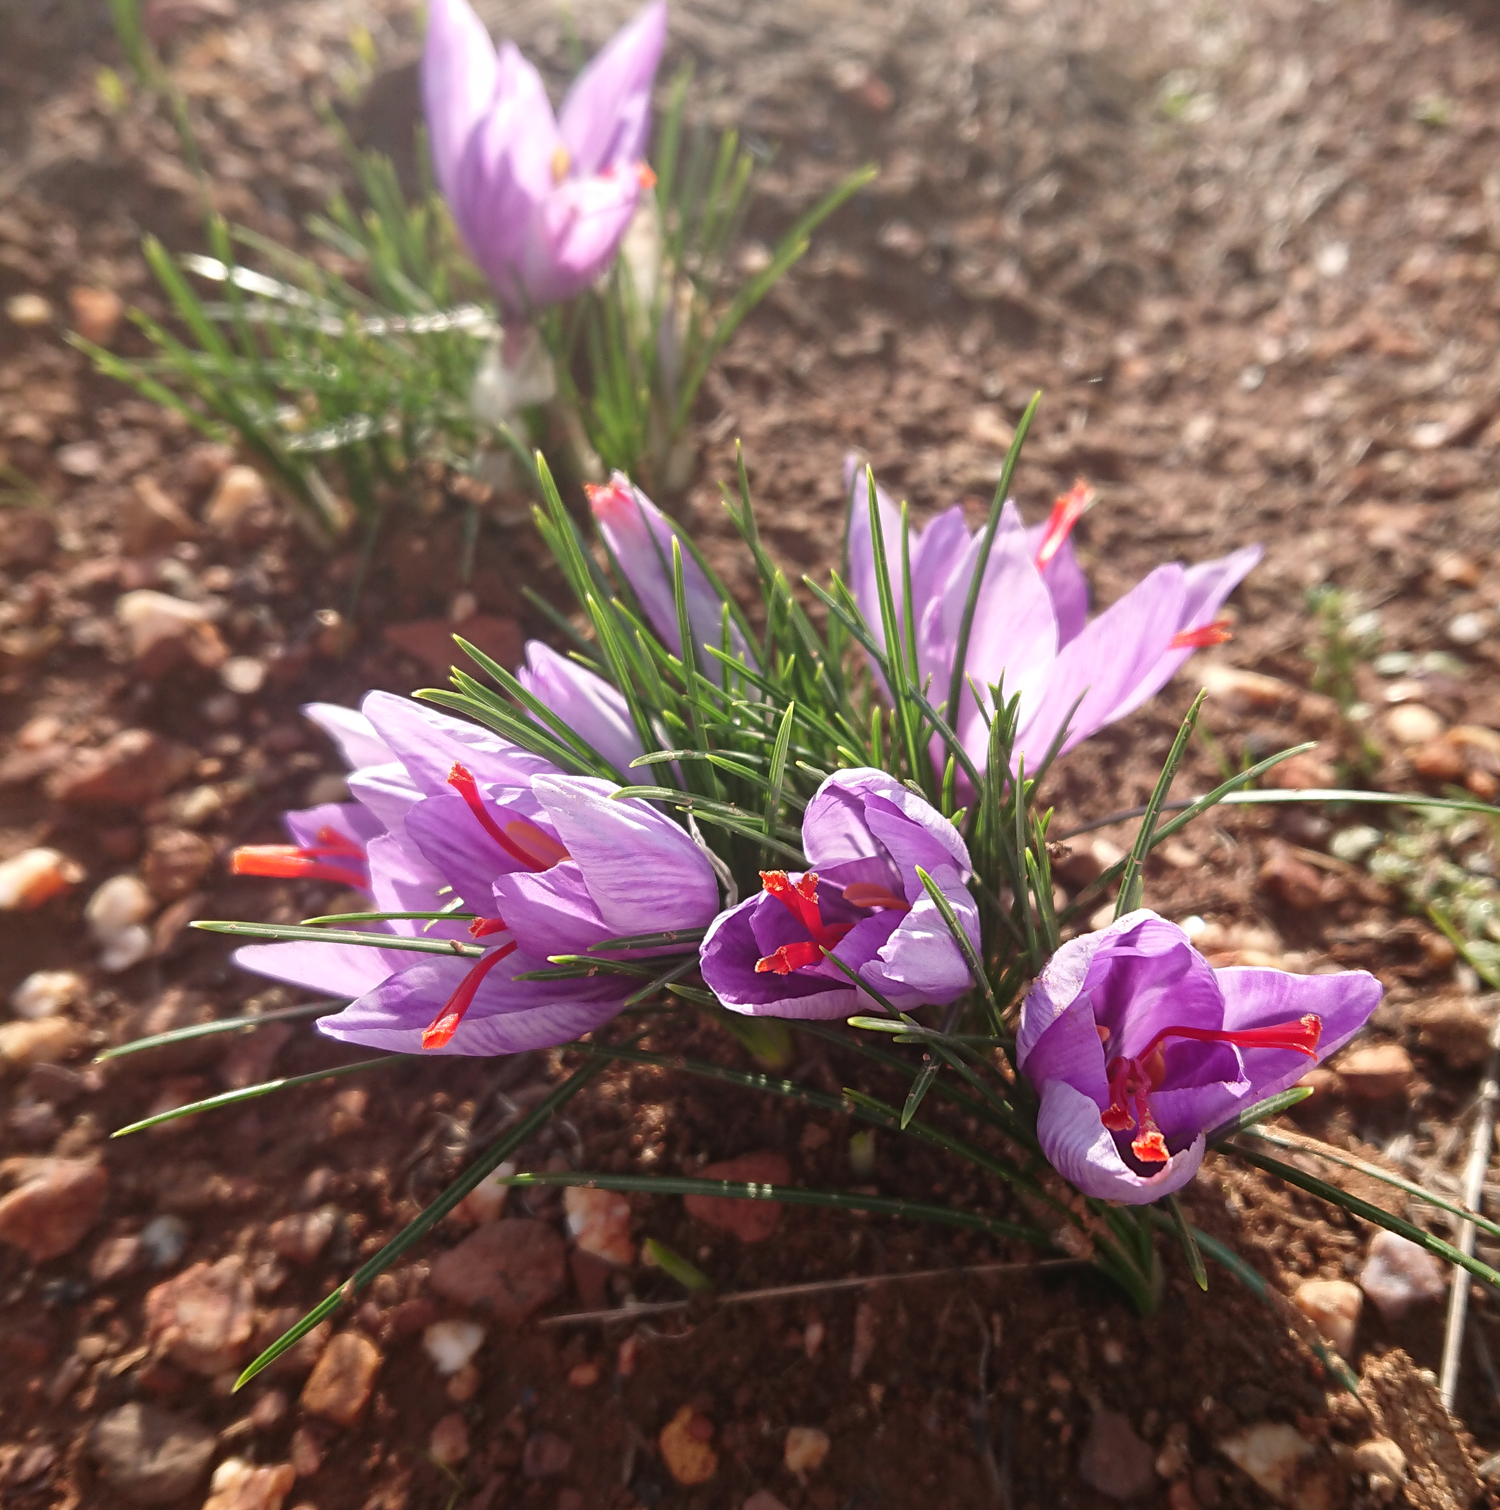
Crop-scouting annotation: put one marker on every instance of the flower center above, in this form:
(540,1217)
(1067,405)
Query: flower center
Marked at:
(1132,1079)
(441,1029)
(521,839)
(800,898)
(1066,512)
(334,857)
(1206,634)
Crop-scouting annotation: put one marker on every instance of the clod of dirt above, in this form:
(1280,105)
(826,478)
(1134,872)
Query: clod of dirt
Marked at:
(1400,1274)
(241,506)
(1405,1406)
(342,1379)
(1114,1459)
(203,1317)
(46,992)
(450,1344)
(509,1268)
(302,1236)
(1333,1306)
(1294,881)
(805,1449)
(150,1455)
(28,538)
(1285,1464)
(48,1041)
(686,1450)
(131,770)
(1452,1029)
(449,1442)
(176,859)
(167,632)
(35,876)
(750,1221)
(545,1455)
(1375,1073)
(763,1499)
(600,1223)
(151,519)
(238,1485)
(56,1203)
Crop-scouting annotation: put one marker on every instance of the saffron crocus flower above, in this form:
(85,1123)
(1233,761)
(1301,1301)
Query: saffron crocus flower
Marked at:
(1137,1048)
(541,201)
(1031,632)
(639,536)
(541,863)
(864,835)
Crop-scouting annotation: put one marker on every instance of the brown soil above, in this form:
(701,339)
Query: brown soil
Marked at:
(1249,254)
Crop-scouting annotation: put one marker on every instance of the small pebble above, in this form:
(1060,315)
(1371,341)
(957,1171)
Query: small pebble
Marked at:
(238,1485)
(812,1337)
(545,1455)
(1469,628)
(1376,1072)
(35,876)
(96,313)
(49,1040)
(464,1385)
(1333,1306)
(302,1236)
(1354,843)
(1114,1459)
(243,674)
(118,904)
(600,1223)
(46,992)
(451,1344)
(583,1375)
(127,948)
(342,1379)
(749,1220)
(148,1455)
(449,1442)
(1413,724)
(164,1240)
(805,1449)
(306,1455)
(689,1459)
(486,1200)
(48,1214)
(1281,1460)
(1384,1465)
(204,1316)
(763,1499)
(1400,1274)
(28,310)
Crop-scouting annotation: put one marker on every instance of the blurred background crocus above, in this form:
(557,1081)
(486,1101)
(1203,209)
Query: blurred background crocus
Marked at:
(541,200)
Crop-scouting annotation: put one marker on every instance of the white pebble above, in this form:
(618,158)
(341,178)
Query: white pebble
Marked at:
(600,1223)
(126,948)
(1353,844)
(1412,724)
(45,992)
(806,1447)
(1333,1306)
(1400,1274)
(1468,628)
(118,904)
(164,1239)
(35,876)
(243,674)
(486,1200)
(450,1344)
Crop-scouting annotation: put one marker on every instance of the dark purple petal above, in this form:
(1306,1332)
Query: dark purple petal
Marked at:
(1084,1151)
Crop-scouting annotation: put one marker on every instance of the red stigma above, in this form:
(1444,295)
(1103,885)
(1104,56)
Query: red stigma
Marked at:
(800,898)
(644,176)
(335,857)
(1131,1080)
(521,839)
(1207,634)
(1067,510)
(483,927)
(439,1032)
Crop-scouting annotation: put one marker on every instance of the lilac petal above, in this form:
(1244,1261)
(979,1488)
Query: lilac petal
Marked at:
(1066,1047)
(920,964)
(859,555)
(606,117)
(639,536)
(352,732)
(402,881)
(1255,998)
(643,871)
(588,704)
(1205,587)
(459,76)
(507,1016)
(1013,641)
(577,229)
(386,791)
(551,911)
(428,743)
(1079,1146)
(455,844)
(742,935)
(338,969)
(1104,664)
(1065,582)
(350,819)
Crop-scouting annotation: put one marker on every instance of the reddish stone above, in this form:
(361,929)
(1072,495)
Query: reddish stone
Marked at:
(133,768)
(749,1220)
(203,1317)
(509,1268)
(57,1203)
(431,641)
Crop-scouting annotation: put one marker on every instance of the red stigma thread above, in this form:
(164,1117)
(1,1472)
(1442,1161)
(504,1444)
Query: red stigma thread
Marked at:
(1207,634)
(1067,510)
(521,839)
(439,1032)
(335,857)
(800,898)
(1131,1080)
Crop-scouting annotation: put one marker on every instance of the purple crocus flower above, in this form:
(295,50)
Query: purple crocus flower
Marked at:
(546,863)
(864,834)
(1031,632)
(588,704)
(542,201)
(639,537)
(1138,1047)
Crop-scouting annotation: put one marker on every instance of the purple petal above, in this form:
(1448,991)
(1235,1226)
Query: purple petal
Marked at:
(350,819)
(1064,580)
(551,911)
(387,791)
(859,554)
(751,930)
(606,117)
(1083,1151)
(459,76)
(575,231)
(643,871)
(428,743)
(338,969)
(588,704)
(454,842)
(1107,661)
(402,881)
(352,732)
(920,964)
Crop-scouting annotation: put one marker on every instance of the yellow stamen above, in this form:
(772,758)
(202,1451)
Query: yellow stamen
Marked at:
(562,160)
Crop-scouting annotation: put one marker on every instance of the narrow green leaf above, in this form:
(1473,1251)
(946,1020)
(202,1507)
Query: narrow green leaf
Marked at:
(221,1025)
(1189,1243)
(293,931)
(1262,1111)
(675,1266)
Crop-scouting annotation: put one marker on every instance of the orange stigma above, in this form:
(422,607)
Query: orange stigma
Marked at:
(439,1032)
(334,857)
(1207,634)
(1067,510)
